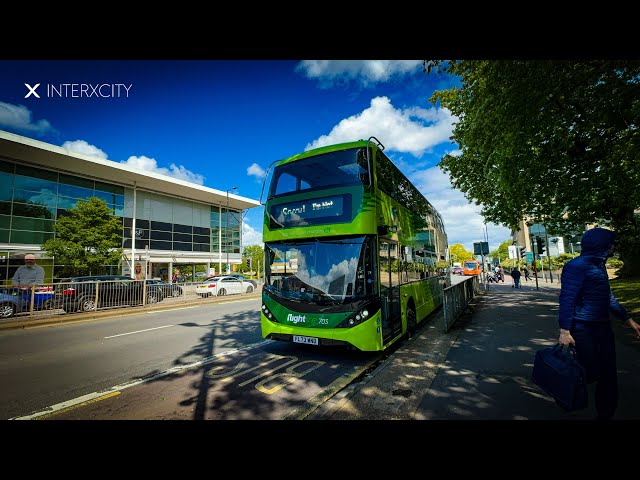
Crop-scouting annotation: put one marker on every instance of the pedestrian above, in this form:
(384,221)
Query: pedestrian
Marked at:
(501,275)
(515,275)
(584,306)
(28,274)
(526,274)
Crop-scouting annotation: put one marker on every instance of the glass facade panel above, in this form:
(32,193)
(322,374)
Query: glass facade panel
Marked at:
(6,193)
(66,203)
(105,187)
(76,181)
(182,237)
(182,246)
(32,238)
(156,235)
(36,197)
(163,226)
(74,191)
(34,224)
(39,198)
(33,210)
(158,245)
(182,212)
(36,173)
(35,184)
(182,228)
(7,167)
(6,179)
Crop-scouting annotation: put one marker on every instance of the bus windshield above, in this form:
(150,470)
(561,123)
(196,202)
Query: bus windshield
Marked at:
(321,272)
(343,167)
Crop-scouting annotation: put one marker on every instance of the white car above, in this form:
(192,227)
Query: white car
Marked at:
(223,285)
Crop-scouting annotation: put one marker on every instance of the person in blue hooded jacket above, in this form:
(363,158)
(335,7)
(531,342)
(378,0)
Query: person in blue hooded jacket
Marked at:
(585,303)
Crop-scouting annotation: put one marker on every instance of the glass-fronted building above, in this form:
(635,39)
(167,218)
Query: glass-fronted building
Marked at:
(167,223)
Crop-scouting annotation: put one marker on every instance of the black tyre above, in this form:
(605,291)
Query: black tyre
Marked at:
(7,310)
(411,321)
(177,292)
(250,289)
(152,298)
(86,304)
(222,292)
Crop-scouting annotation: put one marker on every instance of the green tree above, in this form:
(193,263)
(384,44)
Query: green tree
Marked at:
(502,252)
(88,237)
(458,253)
(256,254)
(558,141)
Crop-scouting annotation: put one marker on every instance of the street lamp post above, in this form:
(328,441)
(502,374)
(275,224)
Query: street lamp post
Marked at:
(226,231)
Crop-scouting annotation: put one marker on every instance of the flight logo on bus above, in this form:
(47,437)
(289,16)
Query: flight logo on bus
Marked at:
(296,318)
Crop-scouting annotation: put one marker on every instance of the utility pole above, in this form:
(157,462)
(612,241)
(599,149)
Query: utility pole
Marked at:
(546,236)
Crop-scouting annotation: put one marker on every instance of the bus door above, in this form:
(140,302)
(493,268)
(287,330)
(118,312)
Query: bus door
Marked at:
(389,291)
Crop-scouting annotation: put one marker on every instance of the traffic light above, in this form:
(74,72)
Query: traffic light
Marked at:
(248,262)
(540,245)
(521,251)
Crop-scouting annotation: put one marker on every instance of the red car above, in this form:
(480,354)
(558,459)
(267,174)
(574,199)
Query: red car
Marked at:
(457,271)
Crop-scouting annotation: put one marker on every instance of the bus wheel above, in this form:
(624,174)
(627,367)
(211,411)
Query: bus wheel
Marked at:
(411,321)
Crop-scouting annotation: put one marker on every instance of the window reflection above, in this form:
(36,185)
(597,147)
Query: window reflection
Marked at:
(325,272)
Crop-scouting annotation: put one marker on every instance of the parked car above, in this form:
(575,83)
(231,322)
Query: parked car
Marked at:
(243,278)
(224,285)
(78,294)
(15,300)
(167,289)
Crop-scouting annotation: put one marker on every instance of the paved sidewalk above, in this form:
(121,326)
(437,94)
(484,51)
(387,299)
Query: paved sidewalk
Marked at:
(481,370)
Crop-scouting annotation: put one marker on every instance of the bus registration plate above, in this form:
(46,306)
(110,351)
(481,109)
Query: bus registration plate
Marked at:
(309,340)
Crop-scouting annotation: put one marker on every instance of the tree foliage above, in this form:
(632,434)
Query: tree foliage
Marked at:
(557,141)
(458,253)
(88,237)
(256,254)
(502,252)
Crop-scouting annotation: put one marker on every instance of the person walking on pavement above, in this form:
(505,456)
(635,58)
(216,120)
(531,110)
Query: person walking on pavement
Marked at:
(28,274)
(585,303)
(515,275)
(526,273)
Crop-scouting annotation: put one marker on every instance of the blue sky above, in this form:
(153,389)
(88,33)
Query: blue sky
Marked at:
(221,123)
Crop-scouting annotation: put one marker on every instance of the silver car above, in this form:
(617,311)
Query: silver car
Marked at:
(224,285)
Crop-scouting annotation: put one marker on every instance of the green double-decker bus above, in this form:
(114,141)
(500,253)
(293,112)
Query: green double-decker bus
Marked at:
(351,250)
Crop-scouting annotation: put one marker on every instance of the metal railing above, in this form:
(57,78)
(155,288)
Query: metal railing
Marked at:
(456,299)
(72,297)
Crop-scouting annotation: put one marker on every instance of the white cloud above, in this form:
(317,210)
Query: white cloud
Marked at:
(462,220)
(256,170)
(81,146)
(367,72)
(19,117)
(414,130)
(151,165)
(251,236)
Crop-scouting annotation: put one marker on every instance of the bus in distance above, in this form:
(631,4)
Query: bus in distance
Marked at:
(351,250)
(471,267)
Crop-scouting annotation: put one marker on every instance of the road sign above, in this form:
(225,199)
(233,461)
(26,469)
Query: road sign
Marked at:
(481,248)
(528,256)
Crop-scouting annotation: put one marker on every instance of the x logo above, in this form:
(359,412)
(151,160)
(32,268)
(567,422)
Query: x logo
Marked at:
(32,91)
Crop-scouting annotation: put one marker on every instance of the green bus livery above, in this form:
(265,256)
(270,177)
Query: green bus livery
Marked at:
(351,250)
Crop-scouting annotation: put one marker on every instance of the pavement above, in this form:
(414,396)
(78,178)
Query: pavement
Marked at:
(481,369)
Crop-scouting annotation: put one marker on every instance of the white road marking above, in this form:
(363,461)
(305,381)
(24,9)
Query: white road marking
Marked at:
(138,331)
(105,393)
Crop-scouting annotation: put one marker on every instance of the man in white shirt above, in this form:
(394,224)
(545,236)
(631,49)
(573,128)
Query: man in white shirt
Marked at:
(28,274)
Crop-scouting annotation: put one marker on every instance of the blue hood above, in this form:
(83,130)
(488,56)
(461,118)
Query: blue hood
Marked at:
(596,242)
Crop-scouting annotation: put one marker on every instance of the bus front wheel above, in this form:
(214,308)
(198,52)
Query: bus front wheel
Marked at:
(411,321)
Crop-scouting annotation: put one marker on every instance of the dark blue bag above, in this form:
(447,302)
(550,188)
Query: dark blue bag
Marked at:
(560,375)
